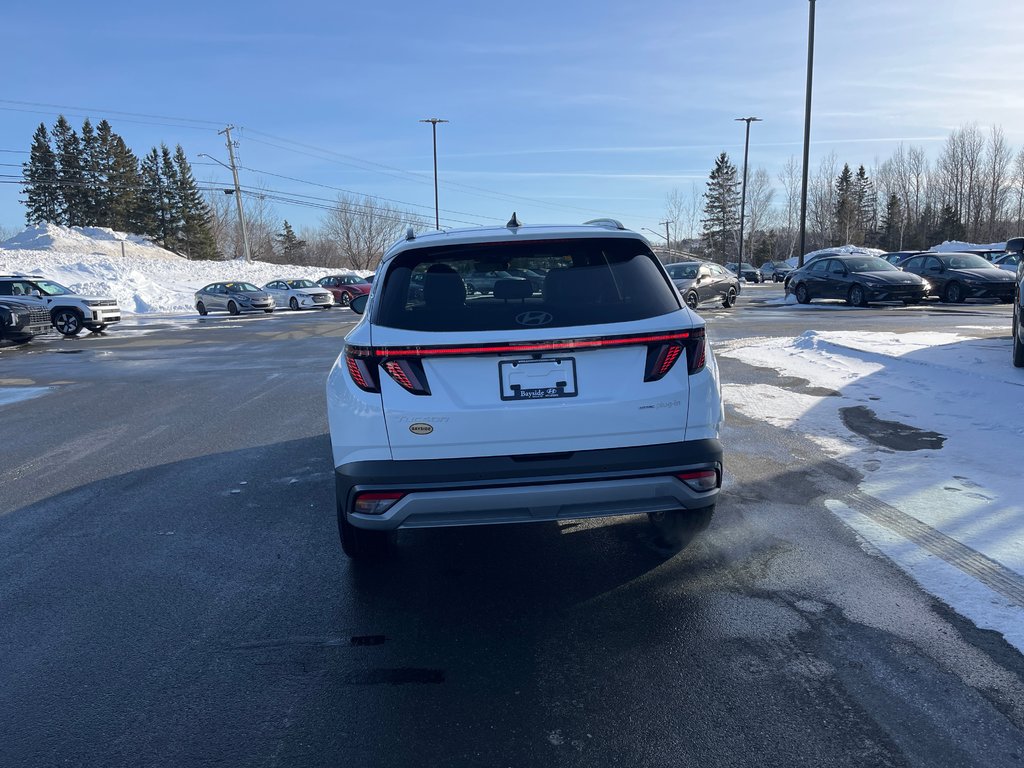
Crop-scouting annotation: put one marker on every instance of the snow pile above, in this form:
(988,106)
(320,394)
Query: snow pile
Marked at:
(858,249)
(147,279)
(958,245)
(962,388)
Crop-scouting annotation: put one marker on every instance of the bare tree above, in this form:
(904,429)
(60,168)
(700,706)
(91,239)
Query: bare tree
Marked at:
(1018,193)
(790,177)
(760,196)
(321,250)
(998,158)
(683,212)
(821,205)
(364,227)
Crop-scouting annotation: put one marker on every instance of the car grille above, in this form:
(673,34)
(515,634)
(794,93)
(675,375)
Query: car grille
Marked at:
(104,303)
(39,316)
(321,299)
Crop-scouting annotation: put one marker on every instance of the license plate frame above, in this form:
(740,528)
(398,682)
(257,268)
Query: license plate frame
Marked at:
(559,382)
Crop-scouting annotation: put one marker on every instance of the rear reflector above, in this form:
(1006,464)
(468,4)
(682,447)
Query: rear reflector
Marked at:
(700,480)
(409,374)
(696,355)
(660,359)
(375,503)
(364,375)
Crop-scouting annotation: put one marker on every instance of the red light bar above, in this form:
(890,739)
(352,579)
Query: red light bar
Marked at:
(537,346)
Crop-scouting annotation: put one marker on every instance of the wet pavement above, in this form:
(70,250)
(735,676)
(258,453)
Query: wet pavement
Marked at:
(172,591)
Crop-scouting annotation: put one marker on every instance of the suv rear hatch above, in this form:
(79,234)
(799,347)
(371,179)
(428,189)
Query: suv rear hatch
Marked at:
(598,357)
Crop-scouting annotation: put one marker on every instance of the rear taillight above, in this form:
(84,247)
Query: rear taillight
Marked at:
(700,480)
(696,354)
(660,359)
(376,503)
(409,374)
(362,368)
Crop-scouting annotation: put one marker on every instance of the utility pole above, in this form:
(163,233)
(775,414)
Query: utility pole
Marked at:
(238,191)
(668,242)
(743,194)
(433,126)
(807,137)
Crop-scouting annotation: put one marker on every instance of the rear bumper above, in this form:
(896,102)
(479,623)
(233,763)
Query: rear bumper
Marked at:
(507,489)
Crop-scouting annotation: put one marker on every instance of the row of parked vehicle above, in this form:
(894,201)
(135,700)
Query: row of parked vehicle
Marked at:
(31,305)
(238,296)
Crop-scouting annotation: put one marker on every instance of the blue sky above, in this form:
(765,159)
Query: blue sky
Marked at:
(573,109)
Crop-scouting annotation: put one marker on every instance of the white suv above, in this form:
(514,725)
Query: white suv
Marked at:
(593,394)
(69,312)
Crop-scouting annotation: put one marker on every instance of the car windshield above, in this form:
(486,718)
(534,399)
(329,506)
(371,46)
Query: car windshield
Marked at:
(682,271)
(868,264)
(300,283)
(50,288)
(242,288)
(588,281)
(965,261)
(356,281)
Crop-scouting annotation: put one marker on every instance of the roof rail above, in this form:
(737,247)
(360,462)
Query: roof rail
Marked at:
(606,223)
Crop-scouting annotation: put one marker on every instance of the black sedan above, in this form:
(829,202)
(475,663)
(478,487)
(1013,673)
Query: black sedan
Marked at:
(955,277)
(858,279)
(699,281)
(747,271)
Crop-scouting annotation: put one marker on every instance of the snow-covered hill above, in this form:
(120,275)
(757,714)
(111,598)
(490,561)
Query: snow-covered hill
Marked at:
(147,278)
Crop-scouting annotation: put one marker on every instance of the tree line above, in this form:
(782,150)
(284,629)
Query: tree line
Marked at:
(973,191)
(93,179)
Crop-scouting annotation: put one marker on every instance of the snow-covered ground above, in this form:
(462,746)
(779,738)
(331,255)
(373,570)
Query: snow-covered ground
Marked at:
(145,279)
(969,489)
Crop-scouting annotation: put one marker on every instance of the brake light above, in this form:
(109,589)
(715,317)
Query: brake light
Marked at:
(660,359)
(701,480)
(362,371)
(696,354)
(409,374)
(376,503)
(560,345)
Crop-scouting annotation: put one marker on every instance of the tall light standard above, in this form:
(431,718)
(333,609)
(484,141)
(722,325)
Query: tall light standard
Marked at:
(807,137)
(743,194)
(433,126)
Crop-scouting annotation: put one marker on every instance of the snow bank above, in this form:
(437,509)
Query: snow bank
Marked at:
(147,279)
(969,489)
(793,260)
(959,245)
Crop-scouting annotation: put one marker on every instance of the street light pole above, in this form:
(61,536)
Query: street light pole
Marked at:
(433,126)
(743,193)
(807,137)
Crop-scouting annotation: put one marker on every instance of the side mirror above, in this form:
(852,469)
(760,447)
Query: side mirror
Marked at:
(358,304)
(703,272)
(36,293)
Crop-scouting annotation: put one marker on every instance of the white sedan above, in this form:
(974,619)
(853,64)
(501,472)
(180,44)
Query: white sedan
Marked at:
(299,294)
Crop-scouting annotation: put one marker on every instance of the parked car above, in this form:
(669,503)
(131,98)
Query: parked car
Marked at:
(344,288)
(299,294)
(233,297)
(535,278)
(747,271)
(1018,315)
(857,279)
(988,254)
(775,271)
(896,257)
(21,322)
(483,281)
(1008,261)
(596,397)
(69,312)
(956,277)
(699,281)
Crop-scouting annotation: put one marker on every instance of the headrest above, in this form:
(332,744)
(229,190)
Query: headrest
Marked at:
(512,289)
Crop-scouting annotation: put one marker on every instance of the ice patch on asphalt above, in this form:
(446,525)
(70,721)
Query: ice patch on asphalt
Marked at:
(958,387)
(11,395)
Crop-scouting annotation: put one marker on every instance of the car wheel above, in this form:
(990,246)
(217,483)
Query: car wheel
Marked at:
(776,279)
(269,311)
(293,303)
(201,309)
(691,299)
(857,297)
(678,528)
(802,295)
(345,299)
(954,293)
(1018,346)
(361,544)
(97,327)
(68,322)
(730,298)
(232,308)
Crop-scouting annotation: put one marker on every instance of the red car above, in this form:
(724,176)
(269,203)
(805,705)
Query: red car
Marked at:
(344,287)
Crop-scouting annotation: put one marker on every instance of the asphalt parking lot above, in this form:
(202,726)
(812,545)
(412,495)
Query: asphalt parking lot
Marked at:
(172,592)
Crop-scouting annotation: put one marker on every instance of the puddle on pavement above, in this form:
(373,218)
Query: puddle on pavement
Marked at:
(889,434)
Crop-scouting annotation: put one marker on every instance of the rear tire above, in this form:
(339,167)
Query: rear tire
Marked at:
(67,321)
(802,295)
(730,298)
(361,544)
(678,528)
(345,299)
(201,309)
(232,308)
(954,293)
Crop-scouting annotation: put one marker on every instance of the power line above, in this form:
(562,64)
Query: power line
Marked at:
(112,112)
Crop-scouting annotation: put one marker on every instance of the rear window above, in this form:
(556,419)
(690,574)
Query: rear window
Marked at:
(580,281)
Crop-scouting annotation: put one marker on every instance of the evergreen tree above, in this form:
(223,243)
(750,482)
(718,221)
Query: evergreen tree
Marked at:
(292,247)
(72,180)
(126,203)
(892,224)
(93,214)
(721,210)
(846,204)
(864,203)
(170,203)
(949,226)
(149,213)
(42,194)
(196,238)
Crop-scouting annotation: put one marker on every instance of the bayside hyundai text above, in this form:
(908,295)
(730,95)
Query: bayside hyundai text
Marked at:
(592,394)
